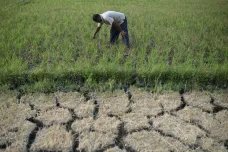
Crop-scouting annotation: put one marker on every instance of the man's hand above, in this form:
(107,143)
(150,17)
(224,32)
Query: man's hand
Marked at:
(97,30)
(123,34)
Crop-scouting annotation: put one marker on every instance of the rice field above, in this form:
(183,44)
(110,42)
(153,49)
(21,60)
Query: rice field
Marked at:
(47,45)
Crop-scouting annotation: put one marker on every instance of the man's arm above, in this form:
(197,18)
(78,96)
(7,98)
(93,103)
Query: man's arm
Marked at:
(97,30)
(117,26)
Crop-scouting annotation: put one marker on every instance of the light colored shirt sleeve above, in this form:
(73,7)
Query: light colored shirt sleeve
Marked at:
(100,24)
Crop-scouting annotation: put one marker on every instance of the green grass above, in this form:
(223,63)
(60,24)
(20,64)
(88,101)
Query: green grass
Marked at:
(45,44)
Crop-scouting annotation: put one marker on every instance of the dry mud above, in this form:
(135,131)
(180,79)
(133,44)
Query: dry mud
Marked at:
(131,121)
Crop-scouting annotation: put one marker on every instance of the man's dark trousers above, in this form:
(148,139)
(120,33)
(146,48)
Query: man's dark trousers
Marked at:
(114,33)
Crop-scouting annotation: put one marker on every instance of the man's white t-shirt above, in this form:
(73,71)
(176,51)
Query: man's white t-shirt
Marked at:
(110,16)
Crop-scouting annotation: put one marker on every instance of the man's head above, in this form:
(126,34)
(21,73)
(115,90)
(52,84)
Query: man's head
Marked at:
(97,18)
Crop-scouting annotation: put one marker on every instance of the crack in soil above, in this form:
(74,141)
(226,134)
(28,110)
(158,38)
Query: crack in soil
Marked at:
(195,123)
(31,138)
(13,129)
(121,134)
(216,108)
(207,111)
(171,136)
(182,105)
(32,106)
(75,136)
(140,129)
(38,123)
(116,116)
(86,95)
(125,87)
(49,151)
(19,95)
(105,148)
(226,144)
(57,102)
(182,91)
(75,141)
(129,110)
(130,149)
(73,118)
(5,145)
(96,110)
(129,95)
(160,113)
(32,135)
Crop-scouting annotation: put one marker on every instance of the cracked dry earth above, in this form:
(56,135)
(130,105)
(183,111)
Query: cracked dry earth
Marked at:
(131,121)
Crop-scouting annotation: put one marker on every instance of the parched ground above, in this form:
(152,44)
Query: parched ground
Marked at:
(131,121)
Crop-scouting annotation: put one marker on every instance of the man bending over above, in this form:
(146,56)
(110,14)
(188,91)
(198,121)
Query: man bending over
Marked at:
(118,22)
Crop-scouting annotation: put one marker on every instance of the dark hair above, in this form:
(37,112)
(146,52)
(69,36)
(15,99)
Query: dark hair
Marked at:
(97,18)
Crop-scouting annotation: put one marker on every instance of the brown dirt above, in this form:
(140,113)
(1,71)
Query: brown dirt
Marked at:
(114,122)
